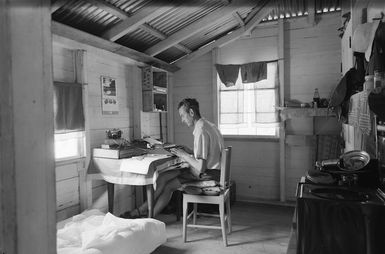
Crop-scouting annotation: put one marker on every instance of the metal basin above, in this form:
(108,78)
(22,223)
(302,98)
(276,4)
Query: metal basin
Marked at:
(340,194)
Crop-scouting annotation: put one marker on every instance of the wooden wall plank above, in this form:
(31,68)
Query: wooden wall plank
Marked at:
(66,171)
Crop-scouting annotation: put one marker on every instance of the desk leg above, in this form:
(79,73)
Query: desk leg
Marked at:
(150,200)
(110,193)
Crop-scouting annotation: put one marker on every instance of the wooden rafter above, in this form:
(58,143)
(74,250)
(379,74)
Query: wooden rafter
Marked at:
(196,27)
(95,41)
(132,23)
(162,36)
(238,18)
(57,4)
(255,20)
(153,31)
(183,48)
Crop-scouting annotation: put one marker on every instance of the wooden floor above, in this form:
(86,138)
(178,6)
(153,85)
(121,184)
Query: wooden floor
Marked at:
(257,229)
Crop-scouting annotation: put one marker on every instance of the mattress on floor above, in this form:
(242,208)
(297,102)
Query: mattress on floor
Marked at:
(94,232)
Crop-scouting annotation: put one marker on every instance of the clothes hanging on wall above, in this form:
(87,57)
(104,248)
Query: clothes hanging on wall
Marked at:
(253,72)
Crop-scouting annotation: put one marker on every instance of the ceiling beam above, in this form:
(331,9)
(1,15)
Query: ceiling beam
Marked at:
(232,36)
(55,6)
(109,8)
(95,41)
(162,36)
(311,11)
(132,23)
(183,48)
(264,10)
(238,18)
(154,32)
(196,27)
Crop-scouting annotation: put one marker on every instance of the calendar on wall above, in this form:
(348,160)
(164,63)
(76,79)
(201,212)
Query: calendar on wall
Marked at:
(110,105)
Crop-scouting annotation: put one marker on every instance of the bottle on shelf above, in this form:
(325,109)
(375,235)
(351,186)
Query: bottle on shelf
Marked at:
(369,83)
(316,98)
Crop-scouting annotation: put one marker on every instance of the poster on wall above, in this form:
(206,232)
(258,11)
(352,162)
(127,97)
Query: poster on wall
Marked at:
(110,105)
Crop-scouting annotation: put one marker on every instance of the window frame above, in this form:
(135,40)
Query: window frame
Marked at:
(217,113)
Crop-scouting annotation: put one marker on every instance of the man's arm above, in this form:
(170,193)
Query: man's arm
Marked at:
(198,166)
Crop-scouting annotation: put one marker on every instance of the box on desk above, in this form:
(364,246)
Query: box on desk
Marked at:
(126,152)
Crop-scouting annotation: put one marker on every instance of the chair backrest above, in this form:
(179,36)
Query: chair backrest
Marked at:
(225,167)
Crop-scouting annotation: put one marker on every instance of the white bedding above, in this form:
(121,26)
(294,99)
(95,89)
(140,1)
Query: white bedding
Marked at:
(93,232)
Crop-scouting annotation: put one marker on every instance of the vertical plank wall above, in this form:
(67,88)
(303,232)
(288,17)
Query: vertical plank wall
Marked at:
(127,75)
(312,60)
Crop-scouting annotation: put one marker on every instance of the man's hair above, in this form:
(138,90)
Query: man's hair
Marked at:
(190,103)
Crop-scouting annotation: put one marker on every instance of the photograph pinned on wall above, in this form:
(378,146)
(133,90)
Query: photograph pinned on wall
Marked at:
(110,105)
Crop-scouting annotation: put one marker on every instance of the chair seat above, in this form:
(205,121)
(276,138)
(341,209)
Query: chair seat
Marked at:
(207,199)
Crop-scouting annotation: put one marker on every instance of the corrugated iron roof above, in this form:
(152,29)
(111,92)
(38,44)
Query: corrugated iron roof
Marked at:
(98,16)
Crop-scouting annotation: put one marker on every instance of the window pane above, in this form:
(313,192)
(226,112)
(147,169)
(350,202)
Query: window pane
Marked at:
(256,129)
(229,101)
(265,100)
(69,145)
(266,117)
(231,118)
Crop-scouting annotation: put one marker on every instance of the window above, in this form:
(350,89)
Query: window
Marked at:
(69,145)
(250,108)
(69,121)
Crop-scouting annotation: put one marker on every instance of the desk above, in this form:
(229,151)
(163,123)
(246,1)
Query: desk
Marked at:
(109,170)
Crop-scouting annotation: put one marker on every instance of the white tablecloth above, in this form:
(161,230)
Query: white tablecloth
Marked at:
(110,170)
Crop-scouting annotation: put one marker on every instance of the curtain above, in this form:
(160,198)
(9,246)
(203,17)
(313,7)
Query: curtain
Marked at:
(228,73)
(68,107)
(253,72)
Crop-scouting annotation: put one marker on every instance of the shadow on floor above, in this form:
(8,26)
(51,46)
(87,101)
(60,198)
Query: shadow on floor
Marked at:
(260,229)
(169,250)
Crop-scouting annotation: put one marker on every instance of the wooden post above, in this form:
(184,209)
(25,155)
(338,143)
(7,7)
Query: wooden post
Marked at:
(215,88)
(311,10)
(282,147)
(85,186)
(27,165)
(171,108)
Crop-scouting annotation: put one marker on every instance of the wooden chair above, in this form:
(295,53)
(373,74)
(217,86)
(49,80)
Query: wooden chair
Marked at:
(223,199)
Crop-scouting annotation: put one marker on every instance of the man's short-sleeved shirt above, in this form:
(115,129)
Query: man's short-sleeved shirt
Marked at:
(208,143)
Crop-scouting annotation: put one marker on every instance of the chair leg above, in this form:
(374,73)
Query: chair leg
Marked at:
(223,222)
(195,213)
(229,227)
(185,213)
(178,201)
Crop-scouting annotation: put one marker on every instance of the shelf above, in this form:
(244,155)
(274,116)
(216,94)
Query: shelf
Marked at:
(288,112)
(154,90)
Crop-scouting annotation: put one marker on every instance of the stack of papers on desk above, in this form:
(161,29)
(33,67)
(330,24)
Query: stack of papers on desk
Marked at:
(141,164)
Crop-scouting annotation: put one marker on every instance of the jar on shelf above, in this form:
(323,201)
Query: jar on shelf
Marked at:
(378,80)
(369,83)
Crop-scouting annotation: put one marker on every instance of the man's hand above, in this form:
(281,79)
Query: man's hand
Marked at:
(181,153)
(185,148)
